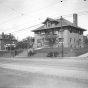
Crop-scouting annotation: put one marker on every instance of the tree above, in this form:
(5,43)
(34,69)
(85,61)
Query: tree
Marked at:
(51,40)
(29,41)
(8,36)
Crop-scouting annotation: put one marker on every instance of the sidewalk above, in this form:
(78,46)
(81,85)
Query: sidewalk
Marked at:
(84,55)
(47,71)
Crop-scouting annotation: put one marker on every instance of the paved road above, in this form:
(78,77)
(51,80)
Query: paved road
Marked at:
(33,79)
(11,79)
(75,64)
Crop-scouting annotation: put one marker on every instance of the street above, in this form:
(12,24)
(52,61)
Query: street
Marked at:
(75,64)
(19,79)
(14,80)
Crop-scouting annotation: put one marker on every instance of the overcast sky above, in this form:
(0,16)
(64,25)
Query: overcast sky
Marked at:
(20,14)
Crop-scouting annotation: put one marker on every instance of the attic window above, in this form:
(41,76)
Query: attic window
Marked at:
(49,24)
(70,30)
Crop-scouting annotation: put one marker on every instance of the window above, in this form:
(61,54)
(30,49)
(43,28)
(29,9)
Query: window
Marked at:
(55,32)
(60,39)
(39,32)
(42,32)
(49,24)
(70,39)
(79,41)
(39,41)
(70,30)
(81,32)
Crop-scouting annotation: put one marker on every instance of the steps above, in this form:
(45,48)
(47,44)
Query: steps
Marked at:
(23,54)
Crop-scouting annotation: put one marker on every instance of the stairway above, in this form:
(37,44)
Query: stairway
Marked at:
(22,54)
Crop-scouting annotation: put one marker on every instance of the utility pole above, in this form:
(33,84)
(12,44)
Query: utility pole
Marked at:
(62,36)
(27,46)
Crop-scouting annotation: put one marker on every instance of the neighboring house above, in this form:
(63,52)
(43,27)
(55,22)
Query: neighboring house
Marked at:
(72,33)
(5,41)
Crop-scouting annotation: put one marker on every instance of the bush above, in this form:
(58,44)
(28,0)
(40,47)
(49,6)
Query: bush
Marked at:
(56,54)
(30,53)
(50,54)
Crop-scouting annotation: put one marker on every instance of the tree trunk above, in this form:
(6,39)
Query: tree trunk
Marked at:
(52,51)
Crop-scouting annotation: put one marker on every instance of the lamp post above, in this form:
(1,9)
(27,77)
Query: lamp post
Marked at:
(62,36)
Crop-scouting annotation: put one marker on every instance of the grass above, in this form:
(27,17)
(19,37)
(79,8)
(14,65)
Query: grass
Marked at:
(5,53)
(57,50)
(47,50)
(81,51)
(77,52)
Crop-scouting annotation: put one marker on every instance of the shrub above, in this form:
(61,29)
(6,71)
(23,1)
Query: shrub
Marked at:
(30,53)
(56,54)
(51,54)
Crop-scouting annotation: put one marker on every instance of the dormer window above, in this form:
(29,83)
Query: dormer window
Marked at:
(50,22)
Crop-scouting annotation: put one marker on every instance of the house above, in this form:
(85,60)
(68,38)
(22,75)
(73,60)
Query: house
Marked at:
(70,33)
(6,40)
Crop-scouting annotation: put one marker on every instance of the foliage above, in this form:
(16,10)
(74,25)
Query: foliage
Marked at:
(51,39)
(31,53)
(51,54)
(56,54)
(20,45)
(29,39)
(85,40)
(8,36)
(26,43)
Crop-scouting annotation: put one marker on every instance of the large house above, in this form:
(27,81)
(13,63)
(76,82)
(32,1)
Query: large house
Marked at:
(72,33)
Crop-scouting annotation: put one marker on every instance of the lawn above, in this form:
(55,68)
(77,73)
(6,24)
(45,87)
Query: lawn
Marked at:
(81,51)
(47,50)
(6,53)
(65,50)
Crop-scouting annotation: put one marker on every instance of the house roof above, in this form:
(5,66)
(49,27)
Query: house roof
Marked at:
(65,23)
(50,19)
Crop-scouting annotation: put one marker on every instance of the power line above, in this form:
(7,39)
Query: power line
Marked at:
(69,15)
(27,13)
(26,28)
(40,8)
(65,16)
(72,10)
(33,11)
(19,25)
(17,11)
(45,7)
(11,19)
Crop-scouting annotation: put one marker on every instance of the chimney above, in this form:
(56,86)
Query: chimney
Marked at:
(75,19)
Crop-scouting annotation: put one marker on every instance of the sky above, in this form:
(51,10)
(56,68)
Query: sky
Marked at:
(20,17)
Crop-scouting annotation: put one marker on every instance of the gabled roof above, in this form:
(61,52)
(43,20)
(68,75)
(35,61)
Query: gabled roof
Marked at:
(65,23)
(50,19)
